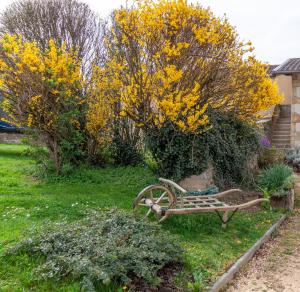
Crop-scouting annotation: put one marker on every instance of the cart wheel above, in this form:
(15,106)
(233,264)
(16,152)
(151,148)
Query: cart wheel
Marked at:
(159,195)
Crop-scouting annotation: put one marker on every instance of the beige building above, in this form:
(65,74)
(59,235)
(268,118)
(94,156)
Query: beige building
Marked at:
(285,128)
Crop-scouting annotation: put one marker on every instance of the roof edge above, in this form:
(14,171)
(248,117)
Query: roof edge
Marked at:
(277,69)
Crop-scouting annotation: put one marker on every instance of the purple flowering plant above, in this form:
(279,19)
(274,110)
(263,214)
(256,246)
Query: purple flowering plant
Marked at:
(265,142)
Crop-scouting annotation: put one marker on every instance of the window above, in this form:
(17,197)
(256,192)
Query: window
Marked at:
(297,91)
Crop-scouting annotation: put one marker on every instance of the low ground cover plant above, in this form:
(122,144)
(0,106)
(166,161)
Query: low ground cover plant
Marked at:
(276,179)
(105,247)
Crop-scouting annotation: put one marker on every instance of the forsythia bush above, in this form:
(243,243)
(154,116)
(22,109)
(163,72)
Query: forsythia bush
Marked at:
(105,121)
(171,61)
(35,82)
(43,91)
(162,63)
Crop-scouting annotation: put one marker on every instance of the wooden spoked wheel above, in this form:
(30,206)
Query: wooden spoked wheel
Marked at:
(153,199)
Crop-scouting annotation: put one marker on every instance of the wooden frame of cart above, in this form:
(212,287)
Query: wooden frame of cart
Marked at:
(168,198)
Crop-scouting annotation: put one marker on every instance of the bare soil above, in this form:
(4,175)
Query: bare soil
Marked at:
(166,274)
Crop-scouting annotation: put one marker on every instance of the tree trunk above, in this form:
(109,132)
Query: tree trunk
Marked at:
(54,152)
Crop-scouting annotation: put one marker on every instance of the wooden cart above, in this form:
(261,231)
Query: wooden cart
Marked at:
(168,198)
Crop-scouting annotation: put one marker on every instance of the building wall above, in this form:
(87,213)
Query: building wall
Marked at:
(295,125)
(284,83)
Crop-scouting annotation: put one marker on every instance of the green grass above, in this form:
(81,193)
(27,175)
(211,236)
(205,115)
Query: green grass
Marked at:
(28,204)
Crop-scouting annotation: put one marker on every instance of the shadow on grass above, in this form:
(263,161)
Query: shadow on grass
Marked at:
(13,151)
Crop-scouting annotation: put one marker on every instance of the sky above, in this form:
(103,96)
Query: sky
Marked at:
(271,25)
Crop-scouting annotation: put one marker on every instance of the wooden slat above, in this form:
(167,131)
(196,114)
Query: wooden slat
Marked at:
(204,201)
(213,209)
(164,199)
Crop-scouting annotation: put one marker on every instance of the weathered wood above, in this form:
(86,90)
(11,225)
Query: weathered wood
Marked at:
(213,209)
(145,199)
(149,190)
(225,193)
(168,203)
(153,207)
(163,218)
(222,282)
(225,219)
(175,185)
(290,200)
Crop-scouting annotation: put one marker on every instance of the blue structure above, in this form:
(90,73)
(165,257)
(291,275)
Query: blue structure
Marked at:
(6,127)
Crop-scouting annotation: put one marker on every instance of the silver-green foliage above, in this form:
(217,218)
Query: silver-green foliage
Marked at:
(106,247)
(292,156)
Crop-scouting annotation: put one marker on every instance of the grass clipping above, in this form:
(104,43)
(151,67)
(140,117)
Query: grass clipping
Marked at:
(105,247)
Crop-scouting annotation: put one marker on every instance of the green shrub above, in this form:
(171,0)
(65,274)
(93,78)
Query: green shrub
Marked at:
(270,156)
(125,143)
(177,154)
(276,178)
(228,146)
(150,161)
(232,144)
(106,247)
(124,152)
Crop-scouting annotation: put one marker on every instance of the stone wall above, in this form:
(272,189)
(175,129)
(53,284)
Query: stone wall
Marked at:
(11,138)
(199,182)
(287,84)
(295,129)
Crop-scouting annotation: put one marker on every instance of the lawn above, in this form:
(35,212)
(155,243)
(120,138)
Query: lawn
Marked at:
(27,204)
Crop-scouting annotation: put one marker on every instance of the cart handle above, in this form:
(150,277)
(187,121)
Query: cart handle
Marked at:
(173,184)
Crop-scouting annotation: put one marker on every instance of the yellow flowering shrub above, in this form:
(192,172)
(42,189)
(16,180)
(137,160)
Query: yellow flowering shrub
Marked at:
(171,61)
(34,83)
(107,122)
(42,90)
(100,108)
(257,91)
(163,62)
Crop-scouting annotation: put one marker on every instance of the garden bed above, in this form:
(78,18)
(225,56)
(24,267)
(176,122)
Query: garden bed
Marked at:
(27,203)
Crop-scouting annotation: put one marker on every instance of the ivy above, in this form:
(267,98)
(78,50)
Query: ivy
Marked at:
(228,146)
